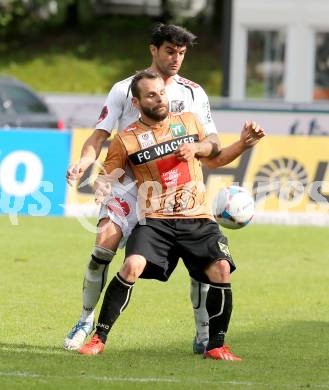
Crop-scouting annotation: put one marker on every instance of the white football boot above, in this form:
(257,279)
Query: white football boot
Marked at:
(78,334)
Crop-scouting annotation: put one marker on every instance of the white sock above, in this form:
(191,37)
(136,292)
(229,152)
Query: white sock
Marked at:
(198,295)
(94,281)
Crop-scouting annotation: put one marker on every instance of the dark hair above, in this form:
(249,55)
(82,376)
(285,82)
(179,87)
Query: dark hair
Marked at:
(179,36)
(143,74)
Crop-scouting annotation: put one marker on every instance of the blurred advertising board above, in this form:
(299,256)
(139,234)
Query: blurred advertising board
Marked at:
(285,122)
(288,176)
(79,198)
(32,171)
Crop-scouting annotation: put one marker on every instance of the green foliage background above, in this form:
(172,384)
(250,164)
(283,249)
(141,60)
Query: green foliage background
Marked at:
(91,56)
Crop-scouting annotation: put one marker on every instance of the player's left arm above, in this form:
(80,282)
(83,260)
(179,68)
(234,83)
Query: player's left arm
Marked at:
(250,135)
(209,147)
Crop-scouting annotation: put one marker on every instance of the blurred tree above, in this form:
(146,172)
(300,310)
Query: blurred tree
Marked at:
(166,14)
(72,13)
(20,14)
(29,16)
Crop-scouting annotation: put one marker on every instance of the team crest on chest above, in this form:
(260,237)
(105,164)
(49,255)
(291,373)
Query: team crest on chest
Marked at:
(177,130)
(177,106)
(146,139)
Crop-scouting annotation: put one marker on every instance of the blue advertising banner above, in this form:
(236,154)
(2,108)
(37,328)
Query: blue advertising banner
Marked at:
(33,164)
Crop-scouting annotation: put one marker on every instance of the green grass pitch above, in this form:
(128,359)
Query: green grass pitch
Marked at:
(280,322)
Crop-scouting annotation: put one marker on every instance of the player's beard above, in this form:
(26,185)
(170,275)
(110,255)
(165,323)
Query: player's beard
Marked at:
(153,113)
(168,72)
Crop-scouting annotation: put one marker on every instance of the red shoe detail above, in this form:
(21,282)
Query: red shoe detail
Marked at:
(94,347)
(222,353)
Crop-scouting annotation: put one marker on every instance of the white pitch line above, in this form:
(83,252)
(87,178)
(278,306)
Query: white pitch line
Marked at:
(34,350)
(26,374)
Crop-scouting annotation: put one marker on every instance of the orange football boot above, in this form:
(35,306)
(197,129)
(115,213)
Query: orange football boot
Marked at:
(94,347)
(222,353)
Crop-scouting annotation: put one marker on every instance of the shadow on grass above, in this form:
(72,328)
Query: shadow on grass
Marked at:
(294,352)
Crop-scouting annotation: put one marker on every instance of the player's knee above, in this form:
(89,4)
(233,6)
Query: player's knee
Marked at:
(108,234)
(133,267)
(98,264)
(219,272)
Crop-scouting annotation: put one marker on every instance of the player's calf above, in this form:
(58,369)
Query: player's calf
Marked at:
(198,295)
(116,299)
(94,281)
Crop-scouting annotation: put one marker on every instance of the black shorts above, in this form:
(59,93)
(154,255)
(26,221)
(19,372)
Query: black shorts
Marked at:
(198,241)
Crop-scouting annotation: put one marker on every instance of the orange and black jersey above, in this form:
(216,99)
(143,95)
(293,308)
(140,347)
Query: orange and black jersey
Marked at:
(168,188)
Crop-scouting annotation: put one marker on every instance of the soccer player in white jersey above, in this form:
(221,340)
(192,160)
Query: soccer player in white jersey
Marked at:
(168,47)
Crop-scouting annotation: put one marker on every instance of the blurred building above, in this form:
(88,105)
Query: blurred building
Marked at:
(275,63)
(157,8)
(279,50)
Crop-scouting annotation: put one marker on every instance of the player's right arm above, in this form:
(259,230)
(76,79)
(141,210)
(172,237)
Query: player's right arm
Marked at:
(111,112)
(113,169)
(89,153)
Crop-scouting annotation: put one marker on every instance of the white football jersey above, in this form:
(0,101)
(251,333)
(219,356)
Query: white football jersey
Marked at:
(183,95)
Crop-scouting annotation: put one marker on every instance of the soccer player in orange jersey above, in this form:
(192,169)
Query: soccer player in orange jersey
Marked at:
(168,46)
(175,221)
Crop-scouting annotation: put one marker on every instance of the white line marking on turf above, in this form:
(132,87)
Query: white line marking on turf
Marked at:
(27,374)
(21,374)
(34,350)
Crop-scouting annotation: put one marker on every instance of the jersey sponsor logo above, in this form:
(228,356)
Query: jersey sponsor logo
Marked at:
(181,199)
(160,150)
(104,113)
(206,111)
(177,130)
(118,206)
(146,139)
(177,106)
(188,82)
(173,172)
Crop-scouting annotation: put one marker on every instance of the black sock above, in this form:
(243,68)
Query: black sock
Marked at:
(219,307)
(116,299)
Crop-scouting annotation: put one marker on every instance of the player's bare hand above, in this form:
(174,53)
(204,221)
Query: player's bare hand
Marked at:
(74,173)
(102,188)
(186,152)
(251,134)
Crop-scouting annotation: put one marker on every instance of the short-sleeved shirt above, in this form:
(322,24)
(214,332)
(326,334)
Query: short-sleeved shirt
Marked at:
(167,187)
(183,96)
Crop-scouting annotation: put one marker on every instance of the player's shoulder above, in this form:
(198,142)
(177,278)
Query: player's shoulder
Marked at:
(123,85)
(186,82)
(195,89)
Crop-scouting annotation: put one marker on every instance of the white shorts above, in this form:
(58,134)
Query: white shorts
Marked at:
(121,207)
